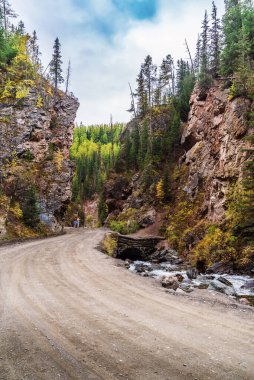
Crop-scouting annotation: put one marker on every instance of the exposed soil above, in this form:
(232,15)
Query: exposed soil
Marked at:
(69,312)
(154,229)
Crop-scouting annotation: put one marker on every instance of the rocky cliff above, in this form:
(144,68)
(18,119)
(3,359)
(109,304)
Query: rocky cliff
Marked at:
(35,137)
(214,148)
(202,218)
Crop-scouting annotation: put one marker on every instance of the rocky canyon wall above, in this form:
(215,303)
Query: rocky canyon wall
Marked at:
(35,137)
(215,147)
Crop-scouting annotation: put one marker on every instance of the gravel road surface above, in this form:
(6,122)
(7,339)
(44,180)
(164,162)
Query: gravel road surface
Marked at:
(69,312)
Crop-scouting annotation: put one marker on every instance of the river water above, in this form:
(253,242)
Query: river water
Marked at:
(237,289)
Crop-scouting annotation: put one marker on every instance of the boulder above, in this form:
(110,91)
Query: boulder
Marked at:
(142,268)
(170,282)
(224,281)
(187,288)
(220,268)
(244,301)
(192,273)
(202,285)
(147,219)
(165,255)
(219,287)
(179,277)
(210,277)
(248,284)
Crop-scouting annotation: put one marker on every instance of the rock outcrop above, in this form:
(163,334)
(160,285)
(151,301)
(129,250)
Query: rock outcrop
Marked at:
(214,145)
(35,137)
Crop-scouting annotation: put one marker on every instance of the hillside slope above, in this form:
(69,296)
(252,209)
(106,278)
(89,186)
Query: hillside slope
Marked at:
(204,217)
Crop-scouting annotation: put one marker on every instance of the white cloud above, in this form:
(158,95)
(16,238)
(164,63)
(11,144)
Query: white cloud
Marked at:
(101,66)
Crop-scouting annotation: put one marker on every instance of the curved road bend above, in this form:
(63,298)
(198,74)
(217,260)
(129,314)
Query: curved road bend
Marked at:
(69,312)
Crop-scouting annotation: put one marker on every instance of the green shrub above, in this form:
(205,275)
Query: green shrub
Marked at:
(124,227)
(28,155)
(89,220)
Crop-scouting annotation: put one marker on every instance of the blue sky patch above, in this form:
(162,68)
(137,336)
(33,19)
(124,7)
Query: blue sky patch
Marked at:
(139,9)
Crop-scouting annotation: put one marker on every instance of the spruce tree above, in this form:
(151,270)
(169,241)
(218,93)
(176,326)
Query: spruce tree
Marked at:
(6,13)
(141,94)
(149,75)
(204,75)
(215,42)
(185,85)
(232,30)
(56,65)
(33,49)
(21,28)
(197,56)
(167,77)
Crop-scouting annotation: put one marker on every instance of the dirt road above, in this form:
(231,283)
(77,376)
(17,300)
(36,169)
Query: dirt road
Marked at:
(69,312)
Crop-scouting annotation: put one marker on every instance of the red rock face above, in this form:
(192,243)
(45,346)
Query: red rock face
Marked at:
(214,147)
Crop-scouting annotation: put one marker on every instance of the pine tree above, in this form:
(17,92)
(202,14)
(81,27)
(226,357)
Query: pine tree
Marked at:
(215,42)
(21,28)
(197,56)
(56,65)
(149,74)
(185,85)
(141,94)
(102,209)
(204,75)
(6,13)
(33,49)
(232,28)
(167,77)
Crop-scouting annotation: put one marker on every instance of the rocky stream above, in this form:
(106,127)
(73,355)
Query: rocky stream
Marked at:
(174,274)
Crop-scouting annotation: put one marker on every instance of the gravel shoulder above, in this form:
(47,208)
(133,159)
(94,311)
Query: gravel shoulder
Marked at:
(67,311)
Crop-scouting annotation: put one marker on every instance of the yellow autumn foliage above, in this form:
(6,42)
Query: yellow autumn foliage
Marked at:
(16,211)
(159,190)
(59,157)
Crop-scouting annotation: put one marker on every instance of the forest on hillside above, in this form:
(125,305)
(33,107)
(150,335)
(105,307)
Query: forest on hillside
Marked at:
(150,144)
(95,150)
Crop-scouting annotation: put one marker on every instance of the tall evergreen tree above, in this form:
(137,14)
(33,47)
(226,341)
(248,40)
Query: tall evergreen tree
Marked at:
(197,56)
(185,84)
(21,28)
(149,75)
(33,49)
(167,77)
(141,94)
(56,65)
(204,75)
(6,13)
(232,28)
(215,42)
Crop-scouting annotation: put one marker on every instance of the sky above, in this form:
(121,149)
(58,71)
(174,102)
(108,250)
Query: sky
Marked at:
(107,41)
